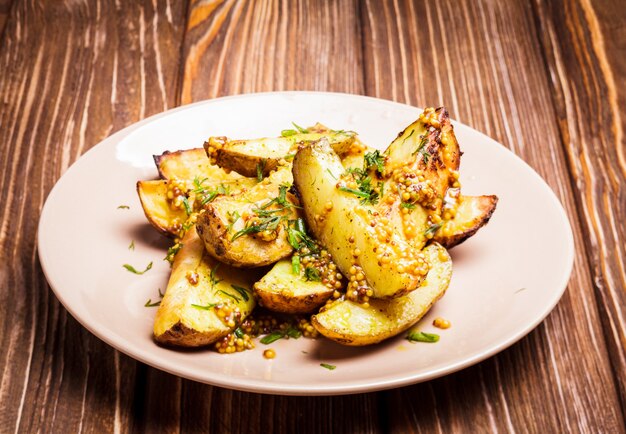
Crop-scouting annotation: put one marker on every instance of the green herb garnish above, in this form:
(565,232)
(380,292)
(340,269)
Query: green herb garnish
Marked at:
(374,160)
(264,224)
(291,332)
(228,294)
(407,205)
(205,194)
(149,303)
(272,337)
(300,129)
(213,276)
(288,133)
(359,193)
(295,264)
(281,199)
(407,137)
(328,366)
(123,207)
(347,132)
(131,246)
(187,225)
(260,167)
(421,144)
(297,236)
(312,274)
(239,333)
(422,337)
(188,209)
(365,191)
(171,252)
(242,291)
(133,270)
(206,307)
(282,194)
(432,229)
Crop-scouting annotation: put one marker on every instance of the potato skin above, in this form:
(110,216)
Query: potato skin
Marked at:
(316,169)
(179,335)
(217,230)
(282,291)
(190,164)
(350,323)
(250,157)
(473,212)
(178,322)
(429,146)
(169,220)
(153,198)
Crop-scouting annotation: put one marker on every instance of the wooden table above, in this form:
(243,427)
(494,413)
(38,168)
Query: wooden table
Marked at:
(546,79)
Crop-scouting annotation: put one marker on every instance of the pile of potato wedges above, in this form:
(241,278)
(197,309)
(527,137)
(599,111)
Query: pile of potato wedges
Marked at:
(311,222)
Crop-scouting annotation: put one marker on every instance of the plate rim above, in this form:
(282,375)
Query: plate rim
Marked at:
(267,387)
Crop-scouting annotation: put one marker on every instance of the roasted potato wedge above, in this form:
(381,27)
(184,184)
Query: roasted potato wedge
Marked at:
(351,323)
(159,211)
(353,232)
(246,230)
(425,156)
(262,156)
(168,215)
(190,164)
(472,213)
(281,290)
(428,144)
(198,292)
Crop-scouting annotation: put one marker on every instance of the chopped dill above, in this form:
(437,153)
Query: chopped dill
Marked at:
(133,270)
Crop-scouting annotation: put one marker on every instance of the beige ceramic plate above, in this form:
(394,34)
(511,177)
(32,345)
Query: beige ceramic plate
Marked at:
(506,279)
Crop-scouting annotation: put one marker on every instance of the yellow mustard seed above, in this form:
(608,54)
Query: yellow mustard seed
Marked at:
(441,323)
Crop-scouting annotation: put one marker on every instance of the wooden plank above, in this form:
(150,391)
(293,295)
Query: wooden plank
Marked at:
(588,76)
(212,409)
(477,58)
(5,8)
(72,73)
(236,47)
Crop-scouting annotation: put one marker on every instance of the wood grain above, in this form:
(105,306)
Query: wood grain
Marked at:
(72,73)
(546,79)
(588,72)
(475,72)
(5,7)
(237,47)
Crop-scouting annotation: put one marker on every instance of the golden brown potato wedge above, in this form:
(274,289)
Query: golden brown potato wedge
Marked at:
(190,164)
(428,144)
(351,323)
(159,211)
(200,290)
(281,290)
(168,215)
(248,230)
(259,157)
(421,164)
(353,232)
(472,213)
